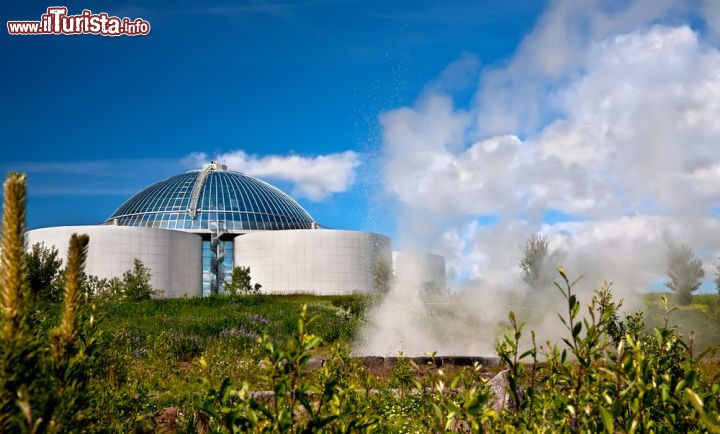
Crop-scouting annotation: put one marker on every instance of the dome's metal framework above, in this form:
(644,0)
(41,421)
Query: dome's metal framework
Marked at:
(201,200)
(217,203)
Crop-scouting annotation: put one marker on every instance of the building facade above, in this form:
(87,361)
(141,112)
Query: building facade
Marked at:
(192,229)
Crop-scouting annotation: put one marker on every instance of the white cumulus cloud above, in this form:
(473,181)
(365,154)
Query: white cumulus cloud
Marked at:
(601,132)
(604,115)
(313,177)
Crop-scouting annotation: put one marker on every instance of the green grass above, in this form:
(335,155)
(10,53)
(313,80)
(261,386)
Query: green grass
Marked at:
(149,351)
(239,316)
(700,319)
(180,330)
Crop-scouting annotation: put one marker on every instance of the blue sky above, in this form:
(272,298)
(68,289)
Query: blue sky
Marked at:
(458,127)
(93,119)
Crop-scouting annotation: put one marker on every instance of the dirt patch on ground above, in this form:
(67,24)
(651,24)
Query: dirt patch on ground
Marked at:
(166,420)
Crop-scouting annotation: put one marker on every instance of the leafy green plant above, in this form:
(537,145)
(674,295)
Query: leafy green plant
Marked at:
(644,382)
(136,282)
(241,283)
(43,267)
(461,403)
(134,285)
(295,404)
(402,375)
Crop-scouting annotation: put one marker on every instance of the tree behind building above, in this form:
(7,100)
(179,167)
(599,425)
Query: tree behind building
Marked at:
(684,270)
(43,267)
(241,283)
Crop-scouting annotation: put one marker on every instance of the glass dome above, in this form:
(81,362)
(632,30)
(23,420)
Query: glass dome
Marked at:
(201,200)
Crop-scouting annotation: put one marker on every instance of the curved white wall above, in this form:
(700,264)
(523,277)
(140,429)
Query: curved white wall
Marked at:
(174,257)
(318,261)
(425,270)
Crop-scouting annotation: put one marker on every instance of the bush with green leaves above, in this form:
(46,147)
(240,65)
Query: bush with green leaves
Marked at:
(43,267)
(605,375)
(461,403)
(134,285)
(402,375)
(355,304)
(296,404)
(534,261)
(646,383)
(136,282)
(241,283)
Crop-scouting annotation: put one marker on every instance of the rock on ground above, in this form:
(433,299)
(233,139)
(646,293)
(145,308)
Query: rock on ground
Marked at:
(498,387)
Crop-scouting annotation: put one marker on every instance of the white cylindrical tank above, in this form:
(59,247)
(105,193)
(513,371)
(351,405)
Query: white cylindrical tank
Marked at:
(318,261)
(174,257)
(421,269)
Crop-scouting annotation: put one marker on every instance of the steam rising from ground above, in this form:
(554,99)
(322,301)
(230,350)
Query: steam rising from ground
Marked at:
(602,133)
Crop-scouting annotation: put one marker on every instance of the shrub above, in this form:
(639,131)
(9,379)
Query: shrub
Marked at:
(134,285)
(402,375)
(295,405)
(241,283)
(136,282)
(43,267)
(644,382)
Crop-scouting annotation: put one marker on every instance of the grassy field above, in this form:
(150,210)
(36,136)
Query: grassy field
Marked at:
(150,353)
(699,320)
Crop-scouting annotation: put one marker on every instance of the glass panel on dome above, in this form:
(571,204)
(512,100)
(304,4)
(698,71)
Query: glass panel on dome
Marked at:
(245,203)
